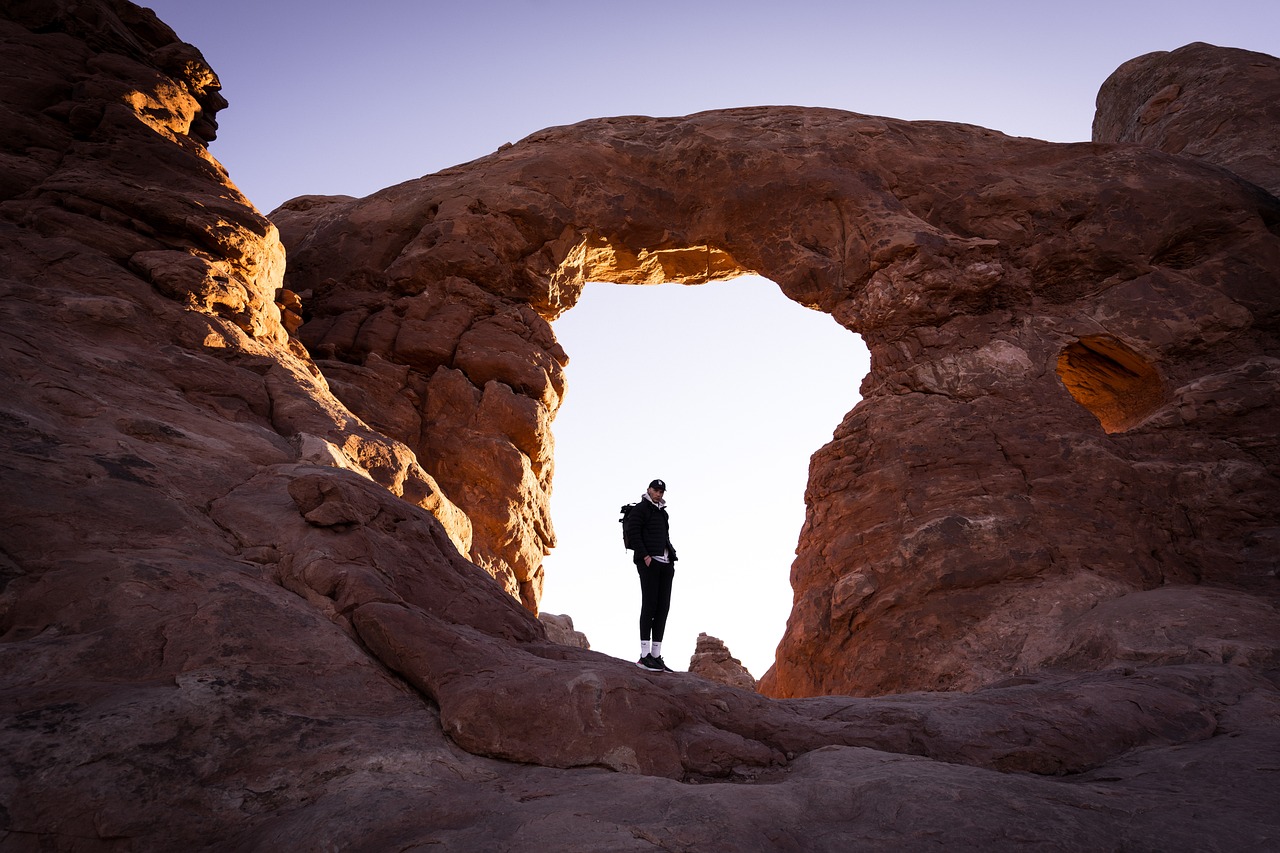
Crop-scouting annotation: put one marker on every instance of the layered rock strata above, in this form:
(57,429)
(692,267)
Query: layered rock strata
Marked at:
(237,615)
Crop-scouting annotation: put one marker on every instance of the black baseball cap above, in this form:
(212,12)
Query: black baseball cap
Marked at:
(659,485)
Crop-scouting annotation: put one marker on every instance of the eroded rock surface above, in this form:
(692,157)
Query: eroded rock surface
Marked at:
(236,612)
(1212,103)
(711,659)
(559,628)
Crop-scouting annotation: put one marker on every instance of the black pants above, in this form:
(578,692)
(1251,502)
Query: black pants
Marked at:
(655,598)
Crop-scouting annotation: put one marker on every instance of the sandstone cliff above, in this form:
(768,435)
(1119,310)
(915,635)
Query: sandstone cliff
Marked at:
(237,611)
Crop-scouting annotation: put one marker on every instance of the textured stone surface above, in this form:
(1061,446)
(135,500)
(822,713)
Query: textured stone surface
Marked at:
(1216,104)
(234,615)
(711,659)
(559,628)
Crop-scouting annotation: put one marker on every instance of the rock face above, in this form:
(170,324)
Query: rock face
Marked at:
(469,379)
(711,659)
(236,611)
(560,629)
(1212,103)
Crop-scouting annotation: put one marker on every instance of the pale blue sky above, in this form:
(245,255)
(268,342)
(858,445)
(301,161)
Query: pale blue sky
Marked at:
(347,98)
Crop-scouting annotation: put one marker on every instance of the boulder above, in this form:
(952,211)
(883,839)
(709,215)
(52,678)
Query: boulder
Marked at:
(711,659)
(1073,372)
(560,630)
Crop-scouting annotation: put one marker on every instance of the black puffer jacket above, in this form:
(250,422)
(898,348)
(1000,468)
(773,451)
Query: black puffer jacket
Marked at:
(647,528)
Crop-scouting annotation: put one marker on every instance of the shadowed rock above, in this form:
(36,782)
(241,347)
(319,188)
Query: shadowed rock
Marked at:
(1212,103)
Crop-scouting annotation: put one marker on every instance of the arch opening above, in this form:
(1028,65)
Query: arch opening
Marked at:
(724,390)
(1117,385)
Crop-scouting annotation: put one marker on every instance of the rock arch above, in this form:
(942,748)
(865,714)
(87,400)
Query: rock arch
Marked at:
(968,261)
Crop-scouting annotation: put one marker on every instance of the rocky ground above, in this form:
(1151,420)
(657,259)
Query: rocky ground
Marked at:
(271,551)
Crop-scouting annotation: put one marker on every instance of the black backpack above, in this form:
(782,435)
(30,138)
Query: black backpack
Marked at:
(626,510)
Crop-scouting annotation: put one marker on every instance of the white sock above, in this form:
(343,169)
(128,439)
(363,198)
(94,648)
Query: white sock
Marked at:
(657,649)
(644,648)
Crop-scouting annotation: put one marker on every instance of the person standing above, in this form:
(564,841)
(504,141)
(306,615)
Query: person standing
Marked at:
(647,530)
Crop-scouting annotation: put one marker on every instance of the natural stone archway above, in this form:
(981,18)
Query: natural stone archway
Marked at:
(953,536)
(751,385)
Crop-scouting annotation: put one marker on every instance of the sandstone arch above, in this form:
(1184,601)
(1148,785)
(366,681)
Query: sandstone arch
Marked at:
(967,260)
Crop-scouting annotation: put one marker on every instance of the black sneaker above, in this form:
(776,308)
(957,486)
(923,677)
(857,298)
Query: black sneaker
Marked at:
(650,663)
(660,662)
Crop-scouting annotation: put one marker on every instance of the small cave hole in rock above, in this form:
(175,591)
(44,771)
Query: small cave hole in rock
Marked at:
(724,390)
(1116,384)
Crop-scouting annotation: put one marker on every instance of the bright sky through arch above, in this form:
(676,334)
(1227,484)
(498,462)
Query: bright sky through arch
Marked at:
(724,390)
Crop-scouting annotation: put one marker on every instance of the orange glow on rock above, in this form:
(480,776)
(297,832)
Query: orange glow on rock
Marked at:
(1120,387)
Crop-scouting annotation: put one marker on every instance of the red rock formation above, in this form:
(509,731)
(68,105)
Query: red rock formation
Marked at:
(560,629)
(234,615)
(1212,103)
(1072,381)
(711,659)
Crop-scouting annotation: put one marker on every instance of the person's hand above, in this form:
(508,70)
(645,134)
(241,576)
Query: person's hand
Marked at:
(648,560)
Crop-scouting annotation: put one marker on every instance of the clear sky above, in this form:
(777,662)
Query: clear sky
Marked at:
(347,98)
